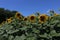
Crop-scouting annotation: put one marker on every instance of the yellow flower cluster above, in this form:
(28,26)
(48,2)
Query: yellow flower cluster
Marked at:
(32,18)
(42,18)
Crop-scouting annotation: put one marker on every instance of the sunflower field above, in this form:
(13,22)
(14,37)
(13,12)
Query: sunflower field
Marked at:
(33,27)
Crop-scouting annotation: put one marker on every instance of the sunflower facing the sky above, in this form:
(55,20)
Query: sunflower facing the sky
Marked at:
(42,18)
(32,18)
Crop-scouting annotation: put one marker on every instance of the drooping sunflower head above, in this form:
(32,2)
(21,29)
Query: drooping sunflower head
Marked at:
(9,20)
(32,18)
(42,18)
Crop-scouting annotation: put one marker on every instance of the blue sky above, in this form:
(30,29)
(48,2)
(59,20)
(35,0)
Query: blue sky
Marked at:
(28,7)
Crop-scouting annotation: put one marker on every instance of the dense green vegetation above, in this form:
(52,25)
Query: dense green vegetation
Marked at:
(15,26)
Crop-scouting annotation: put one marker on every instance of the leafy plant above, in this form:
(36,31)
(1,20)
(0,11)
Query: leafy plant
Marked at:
(34,27)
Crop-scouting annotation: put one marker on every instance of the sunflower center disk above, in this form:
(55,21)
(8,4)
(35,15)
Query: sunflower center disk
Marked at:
(32,18)
(25,19)
(18,14)
(42,18)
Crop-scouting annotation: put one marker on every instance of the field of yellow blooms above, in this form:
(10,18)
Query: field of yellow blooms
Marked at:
(33,27)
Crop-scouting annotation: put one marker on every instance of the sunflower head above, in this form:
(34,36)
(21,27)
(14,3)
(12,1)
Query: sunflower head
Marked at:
(25,19)
(32,18)
(42,18)
(18,15)
(56,14)
(9,20)
(2,23)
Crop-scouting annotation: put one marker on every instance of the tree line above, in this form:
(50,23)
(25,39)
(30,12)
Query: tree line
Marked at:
(5,13)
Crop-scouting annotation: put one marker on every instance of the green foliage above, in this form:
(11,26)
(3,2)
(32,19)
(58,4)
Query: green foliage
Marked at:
(22,30)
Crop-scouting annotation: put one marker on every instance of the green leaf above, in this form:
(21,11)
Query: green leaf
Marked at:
(12,31)
(23,28)
(31,38)
(11,37)
(35,30)
(44,35)
(20,37)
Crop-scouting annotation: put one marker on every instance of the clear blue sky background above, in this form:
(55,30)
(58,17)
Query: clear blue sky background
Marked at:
(28,7)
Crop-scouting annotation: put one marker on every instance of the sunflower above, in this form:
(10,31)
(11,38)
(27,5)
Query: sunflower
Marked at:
(9,20)
(25,19)
(42,18)
(2,23)
(18,15)
(32,18)
(56,14)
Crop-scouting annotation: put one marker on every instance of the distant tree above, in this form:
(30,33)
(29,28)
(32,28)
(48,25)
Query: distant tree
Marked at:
(5,14)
